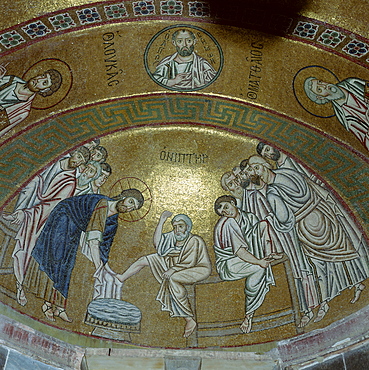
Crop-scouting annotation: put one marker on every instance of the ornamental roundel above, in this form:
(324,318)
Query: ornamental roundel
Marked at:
(184,58)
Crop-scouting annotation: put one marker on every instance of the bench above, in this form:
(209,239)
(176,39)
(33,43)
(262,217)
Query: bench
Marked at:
(262,322)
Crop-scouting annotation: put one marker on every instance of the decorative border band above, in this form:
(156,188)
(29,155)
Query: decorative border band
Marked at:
(40,144)
(306,30)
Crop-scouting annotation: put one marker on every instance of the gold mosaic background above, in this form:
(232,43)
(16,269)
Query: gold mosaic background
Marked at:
(138,120)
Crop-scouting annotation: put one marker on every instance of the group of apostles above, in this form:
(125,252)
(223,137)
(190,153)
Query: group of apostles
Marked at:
(62,209)
(43,258)
(278,208)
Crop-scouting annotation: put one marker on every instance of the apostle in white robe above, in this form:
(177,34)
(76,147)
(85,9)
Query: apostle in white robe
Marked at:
(349,99)
(181,259)
(283,240)
(327,235)
(35,203)
(17,95)
(282,160)
(239,246)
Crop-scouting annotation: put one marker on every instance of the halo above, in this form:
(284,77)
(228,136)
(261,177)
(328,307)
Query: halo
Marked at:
(151,44)
(321,73)
(133,183)
(39,68)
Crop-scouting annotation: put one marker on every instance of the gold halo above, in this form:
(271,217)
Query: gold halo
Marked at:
(39,102)
(133,183)
(321,73)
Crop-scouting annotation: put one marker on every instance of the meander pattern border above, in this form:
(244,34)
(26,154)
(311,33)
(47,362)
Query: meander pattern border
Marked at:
(26,153)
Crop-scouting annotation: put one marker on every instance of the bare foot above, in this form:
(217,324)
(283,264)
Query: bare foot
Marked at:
(323,309)
(21,296)
(358,289)
(47,310)
(190,327)
(305,319)
(60,312)
(247,323)
(8,217)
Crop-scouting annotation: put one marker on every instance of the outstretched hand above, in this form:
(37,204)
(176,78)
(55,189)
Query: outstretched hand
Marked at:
(264,262)
(16,218)
(165,215)
(167,274)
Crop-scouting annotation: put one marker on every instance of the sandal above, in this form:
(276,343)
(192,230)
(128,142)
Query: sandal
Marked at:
(323,309)
(21,296)
(358,289)
(60,312)
(305,319)
(47,310)
(190,330)
(247,323)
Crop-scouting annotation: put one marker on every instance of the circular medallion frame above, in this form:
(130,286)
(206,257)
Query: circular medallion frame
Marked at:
(321,73)
(205,44)
(39,68)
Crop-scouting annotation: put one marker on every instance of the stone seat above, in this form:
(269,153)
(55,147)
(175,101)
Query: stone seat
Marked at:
(219,329)
(113,318)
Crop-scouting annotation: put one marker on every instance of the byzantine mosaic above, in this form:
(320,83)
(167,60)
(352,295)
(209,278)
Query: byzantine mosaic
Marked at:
(228,164)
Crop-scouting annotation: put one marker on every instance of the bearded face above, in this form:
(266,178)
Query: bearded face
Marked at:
(270,153)
(242,178)
(185,51)
(181,231)
(275,155)
(184,43)
(128,204)
(325,90)
(244,183)
(179,236)
(83,180)
(255,179)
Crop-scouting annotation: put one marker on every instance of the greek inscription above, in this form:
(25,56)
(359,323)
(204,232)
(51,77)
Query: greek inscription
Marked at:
(206,47)
(111,61)
(188,158)
(255,70)
(160,49)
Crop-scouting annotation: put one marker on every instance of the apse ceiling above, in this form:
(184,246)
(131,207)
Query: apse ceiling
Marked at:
(169,98)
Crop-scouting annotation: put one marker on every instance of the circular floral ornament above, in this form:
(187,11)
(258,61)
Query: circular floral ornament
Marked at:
(171,7)
(115,11)
(320,73)
(88,15)
(356,48)
(133,183)
(331,38)
(62,21)
(42,66)
(11,39)
(183,58)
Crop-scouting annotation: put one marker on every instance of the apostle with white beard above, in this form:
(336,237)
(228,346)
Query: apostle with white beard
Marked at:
(181,258)
(322,231)
(90,173)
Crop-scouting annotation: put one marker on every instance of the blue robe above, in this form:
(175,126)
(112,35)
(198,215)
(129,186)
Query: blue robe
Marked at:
(56,247)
